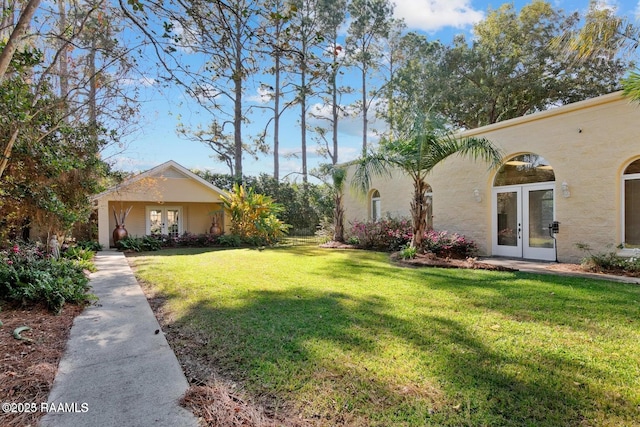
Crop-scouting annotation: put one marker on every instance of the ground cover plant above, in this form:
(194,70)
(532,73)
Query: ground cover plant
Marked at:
(29,275)
(346,338)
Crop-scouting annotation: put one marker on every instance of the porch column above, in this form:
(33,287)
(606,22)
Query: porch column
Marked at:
(104,234)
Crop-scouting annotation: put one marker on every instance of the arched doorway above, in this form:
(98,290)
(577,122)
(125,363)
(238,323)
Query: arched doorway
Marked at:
(523,202)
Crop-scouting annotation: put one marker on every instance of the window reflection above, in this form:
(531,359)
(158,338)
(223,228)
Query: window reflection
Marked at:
(524,169)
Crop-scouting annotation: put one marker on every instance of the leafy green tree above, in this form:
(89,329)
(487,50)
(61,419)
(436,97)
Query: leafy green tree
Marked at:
(604,35)
(54,167)
(416,155)
(512,67)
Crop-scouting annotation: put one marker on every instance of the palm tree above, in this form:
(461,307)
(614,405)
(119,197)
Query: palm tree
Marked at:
(417,155)
(338,176)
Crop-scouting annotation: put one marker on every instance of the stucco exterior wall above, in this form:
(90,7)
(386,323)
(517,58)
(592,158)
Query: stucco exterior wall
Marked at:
(196,217)
(588,144)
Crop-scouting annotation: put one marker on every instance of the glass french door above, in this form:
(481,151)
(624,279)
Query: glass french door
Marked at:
(521,218)
(164,220)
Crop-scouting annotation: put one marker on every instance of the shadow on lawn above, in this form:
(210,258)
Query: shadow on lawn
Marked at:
(328,352)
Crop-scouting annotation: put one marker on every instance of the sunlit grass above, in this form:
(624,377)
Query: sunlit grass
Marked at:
(347,338)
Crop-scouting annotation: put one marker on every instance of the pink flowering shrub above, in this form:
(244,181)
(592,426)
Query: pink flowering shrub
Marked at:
(393,234)
(384,235)
(452,245)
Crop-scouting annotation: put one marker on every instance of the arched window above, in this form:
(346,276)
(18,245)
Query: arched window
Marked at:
(524,169)
(376,212)
(429,196)
(631,205)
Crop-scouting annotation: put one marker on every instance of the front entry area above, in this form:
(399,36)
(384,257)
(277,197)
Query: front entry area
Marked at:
(523,208)
(164,220)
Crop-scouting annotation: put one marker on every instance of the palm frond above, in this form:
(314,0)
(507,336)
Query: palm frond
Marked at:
(366,168)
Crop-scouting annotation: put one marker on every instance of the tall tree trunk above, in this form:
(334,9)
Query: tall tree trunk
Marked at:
(419,213)
(334,113)
(63,63)
(303,115)
(14,39)
(365,111)
(93,91)
(7,150)
(237,107)
(276,121)
(338,218)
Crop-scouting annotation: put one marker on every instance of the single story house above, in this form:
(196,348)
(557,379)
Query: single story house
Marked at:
(578,165)
(168,199)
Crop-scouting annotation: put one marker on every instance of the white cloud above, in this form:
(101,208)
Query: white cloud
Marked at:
(142,81)
(264,94)
(433,15)
(607,4)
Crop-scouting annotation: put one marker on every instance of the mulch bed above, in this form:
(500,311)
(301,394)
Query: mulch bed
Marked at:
(29,367)
(430,260)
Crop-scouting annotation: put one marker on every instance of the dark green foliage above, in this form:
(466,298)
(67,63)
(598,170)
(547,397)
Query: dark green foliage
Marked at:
(54,166)
(161,241)
(304,205)
(230,240)
(139,244)
(28,275)
(90,245)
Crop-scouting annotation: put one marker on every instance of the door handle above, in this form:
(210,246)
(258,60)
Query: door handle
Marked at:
(519,231)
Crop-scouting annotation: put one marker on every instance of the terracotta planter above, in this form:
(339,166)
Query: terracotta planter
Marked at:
(215,229)
(119,233)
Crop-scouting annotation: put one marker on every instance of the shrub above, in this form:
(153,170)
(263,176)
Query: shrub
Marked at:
(78,253)
(253,216)
(139,244)
(230,240)
(384,235)
(408,252)
(609,261)
(90,245)
(27,274)
(452,245)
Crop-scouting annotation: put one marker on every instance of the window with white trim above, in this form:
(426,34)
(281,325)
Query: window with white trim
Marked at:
(631,205)
(376,211)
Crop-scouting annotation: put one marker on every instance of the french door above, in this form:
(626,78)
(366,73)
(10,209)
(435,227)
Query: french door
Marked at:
(521,218)
(164,220)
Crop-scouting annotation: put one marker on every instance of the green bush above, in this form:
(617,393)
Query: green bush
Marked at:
(139,244)
(408,252)
(90,245)
(28,275)
(254,216)
(609,261)
(78,253)
(230,240)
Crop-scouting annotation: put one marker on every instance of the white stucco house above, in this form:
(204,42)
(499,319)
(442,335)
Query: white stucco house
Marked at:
(577,164)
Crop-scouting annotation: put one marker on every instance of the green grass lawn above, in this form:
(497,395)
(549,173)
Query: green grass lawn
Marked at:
(346,338)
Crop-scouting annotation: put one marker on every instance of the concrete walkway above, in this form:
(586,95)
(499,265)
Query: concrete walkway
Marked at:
(116,371)
(530,266)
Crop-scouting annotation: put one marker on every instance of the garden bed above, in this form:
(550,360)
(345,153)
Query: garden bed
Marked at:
(29,367)
(430,260)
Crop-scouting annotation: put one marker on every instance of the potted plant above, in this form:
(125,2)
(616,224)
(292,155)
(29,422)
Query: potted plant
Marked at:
(120,232)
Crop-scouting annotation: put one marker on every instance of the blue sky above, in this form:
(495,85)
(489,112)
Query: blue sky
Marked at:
(163,108)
